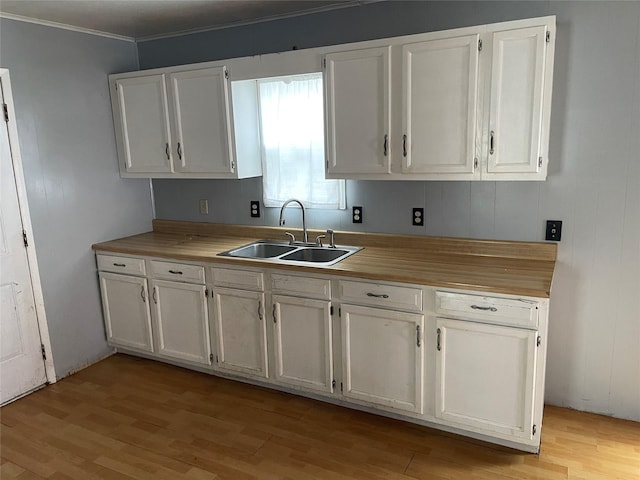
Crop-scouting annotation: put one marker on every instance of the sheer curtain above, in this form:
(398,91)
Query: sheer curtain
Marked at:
(292,125)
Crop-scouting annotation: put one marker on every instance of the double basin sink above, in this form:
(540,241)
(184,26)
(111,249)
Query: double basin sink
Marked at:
(283,252)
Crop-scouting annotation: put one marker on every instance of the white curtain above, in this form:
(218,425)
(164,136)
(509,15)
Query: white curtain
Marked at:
(292,127)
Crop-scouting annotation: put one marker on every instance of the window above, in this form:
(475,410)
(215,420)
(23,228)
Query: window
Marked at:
(292,129)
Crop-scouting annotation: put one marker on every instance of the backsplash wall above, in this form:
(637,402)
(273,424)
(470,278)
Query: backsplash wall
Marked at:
(593,183)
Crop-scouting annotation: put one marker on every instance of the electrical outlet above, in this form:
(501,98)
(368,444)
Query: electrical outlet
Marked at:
(357,215)
(255,208)
(204,206)
(554,230)
(418,217)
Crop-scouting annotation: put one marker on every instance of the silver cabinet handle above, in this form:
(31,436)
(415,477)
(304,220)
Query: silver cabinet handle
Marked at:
(260,309)
(175,272)
(418,335)
(273,312)
(166,150)
(179,149)
(119,265)
(386,144)
(486,309)
(155,295)
(438,346)
(404,145)
(492,135)
(377,295)
(144,299)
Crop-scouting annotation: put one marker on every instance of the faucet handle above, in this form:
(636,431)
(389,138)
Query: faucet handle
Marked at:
(292,237)
(319,240)
(331,239)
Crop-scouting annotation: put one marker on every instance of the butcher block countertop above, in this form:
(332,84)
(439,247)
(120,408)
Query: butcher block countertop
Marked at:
(516,268)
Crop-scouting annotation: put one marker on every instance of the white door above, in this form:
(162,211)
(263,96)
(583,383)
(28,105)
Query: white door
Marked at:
(517,92)
(440,89)
(383,357)
(485,376)
(144,118)
(200,102)
(303,347)
(21,364)
(181,321)
(357,103)
(241,332)
(126,311)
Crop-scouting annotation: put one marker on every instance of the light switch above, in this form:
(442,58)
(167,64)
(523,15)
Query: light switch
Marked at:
(204,206)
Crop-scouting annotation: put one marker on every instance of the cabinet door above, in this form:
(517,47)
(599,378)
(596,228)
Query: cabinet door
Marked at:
(182,321)
(126,311)
(517,93)
(303,347)
(144,120)
(383,357)
(200,103)
(357,102)
(241,332)
(440,89)
(485,377)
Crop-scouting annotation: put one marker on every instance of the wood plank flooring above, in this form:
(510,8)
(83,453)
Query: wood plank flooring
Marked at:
(127,418)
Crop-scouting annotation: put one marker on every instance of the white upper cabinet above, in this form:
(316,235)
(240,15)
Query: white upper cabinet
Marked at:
(357,96)
(474,104)
(144,125)
(202,130)
(439,103)
(177,124)
(516,103)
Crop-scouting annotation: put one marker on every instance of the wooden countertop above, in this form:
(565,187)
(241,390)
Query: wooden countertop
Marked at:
(516,268)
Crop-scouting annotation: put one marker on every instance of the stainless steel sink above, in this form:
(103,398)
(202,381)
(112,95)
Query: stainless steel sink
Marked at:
(281,252)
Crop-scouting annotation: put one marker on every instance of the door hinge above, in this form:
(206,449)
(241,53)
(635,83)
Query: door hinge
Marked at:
(538,341)
(540,162)
(324,63)
(331,313)
(533,430)
(5,109)
(333,383)
(341,387)
(206,292)
(548,37)
(226,73)
(475,163)
(24,238)
(233,165)
(44,353)
(340,311)
(480,45)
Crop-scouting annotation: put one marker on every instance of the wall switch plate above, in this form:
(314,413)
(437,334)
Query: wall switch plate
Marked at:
(204,206)
(554,230)
(255,208)
(418,217)
(357,215)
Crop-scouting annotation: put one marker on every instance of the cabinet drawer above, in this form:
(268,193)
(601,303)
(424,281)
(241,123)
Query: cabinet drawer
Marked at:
(376,294)
(301,286)
(504,311)
(178,272)
(245,279)
(126,265)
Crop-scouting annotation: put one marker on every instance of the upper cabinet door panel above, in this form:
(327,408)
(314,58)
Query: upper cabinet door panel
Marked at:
(357,87)
(200,102)
(439,105)
(145,124)
(516,105)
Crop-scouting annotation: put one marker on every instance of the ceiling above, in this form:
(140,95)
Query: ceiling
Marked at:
(142,19)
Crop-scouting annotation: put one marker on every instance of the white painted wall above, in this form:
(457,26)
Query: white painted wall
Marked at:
(593,183)
(75,194)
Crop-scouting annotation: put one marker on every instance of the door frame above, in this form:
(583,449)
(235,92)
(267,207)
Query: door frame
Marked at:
(32,260)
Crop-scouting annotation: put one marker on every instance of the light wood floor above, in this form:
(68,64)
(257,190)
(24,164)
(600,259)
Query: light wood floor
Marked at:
(131,418)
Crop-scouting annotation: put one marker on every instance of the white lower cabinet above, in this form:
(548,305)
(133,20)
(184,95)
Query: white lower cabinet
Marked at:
(302,342)
(240,331)
(485,376)
(181,320)
(382,355)
(126,311)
